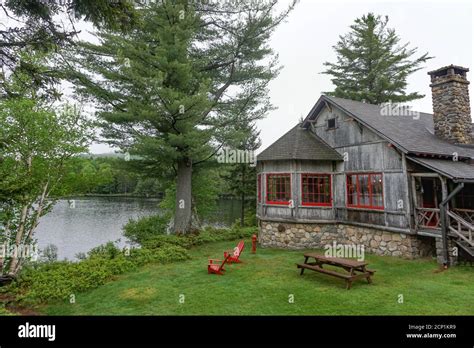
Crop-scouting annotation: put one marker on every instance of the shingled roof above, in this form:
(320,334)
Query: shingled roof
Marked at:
(410,134)
(455,170)
(299,144)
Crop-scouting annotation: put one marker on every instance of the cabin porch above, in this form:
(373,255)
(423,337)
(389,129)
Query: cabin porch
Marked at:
(429,191)
(432,193)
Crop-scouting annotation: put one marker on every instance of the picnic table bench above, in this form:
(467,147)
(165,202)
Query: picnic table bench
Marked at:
(354,269)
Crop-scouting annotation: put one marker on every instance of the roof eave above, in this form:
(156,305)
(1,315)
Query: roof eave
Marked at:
(434,154)
(431,167)
(441,172)
(467,181)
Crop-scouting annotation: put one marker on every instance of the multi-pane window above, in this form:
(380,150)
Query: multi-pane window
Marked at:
(316,189)
(365,190)
(259,187)
(278,188)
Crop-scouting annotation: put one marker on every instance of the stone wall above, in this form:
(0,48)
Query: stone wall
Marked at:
(317,236)
(451,108)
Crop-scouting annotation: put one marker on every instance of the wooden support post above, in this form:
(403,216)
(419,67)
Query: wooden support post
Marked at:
(444,189)
(408,206)
(415,203)
(445,222)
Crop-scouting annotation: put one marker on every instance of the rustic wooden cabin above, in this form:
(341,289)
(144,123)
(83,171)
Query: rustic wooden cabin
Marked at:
(398,182)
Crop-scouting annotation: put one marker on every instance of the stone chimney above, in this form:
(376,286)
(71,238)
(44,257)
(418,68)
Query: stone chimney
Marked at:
(451,108)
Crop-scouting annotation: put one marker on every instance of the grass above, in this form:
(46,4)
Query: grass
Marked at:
(263,283)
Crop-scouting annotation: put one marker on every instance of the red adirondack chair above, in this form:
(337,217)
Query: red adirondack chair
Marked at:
(216,268)
(234,256)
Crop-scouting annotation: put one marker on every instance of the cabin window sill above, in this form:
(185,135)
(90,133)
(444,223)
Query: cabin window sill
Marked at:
(272,204)
(328,206)
(377,210)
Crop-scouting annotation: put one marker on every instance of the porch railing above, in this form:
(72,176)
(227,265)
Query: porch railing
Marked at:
(466,214)
(428,218)
(461,228)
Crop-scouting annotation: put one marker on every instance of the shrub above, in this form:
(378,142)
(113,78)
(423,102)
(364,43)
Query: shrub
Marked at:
(210,234)
(145,228)
(207,235)
(250,219)
(108,250)
(58,280)
(165,254)
(158,241)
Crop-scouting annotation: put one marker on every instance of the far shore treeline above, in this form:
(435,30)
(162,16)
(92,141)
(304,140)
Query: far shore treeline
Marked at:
(111,174)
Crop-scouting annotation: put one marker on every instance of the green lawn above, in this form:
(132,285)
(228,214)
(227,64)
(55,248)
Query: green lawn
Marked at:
(262,285)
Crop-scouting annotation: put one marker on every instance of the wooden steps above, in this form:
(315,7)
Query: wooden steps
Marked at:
(463,231)
(466,247)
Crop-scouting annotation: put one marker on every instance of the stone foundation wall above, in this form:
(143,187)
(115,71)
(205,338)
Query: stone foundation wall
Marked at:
(308,236)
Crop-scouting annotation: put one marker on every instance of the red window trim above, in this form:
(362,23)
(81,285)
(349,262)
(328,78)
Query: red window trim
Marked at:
(259,188)
(330,190)
(268,176)
(370,206)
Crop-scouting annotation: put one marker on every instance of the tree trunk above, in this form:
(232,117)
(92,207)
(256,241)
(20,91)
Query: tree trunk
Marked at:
(22,241)
(39,212)
(183,209)
(14,262)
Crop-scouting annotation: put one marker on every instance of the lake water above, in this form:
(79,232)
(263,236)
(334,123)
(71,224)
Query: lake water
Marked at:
(88,222)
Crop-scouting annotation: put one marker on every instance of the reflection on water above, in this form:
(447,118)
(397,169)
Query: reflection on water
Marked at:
(84,223)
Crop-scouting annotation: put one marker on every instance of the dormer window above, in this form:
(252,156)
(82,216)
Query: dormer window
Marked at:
(331,123)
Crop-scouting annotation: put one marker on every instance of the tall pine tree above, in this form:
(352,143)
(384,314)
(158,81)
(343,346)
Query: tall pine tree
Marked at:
(371,64)
(171,89)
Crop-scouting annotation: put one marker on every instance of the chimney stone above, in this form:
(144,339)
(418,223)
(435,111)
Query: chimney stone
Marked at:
(451,107)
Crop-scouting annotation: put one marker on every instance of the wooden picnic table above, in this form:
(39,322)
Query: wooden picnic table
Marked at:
(354,269)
